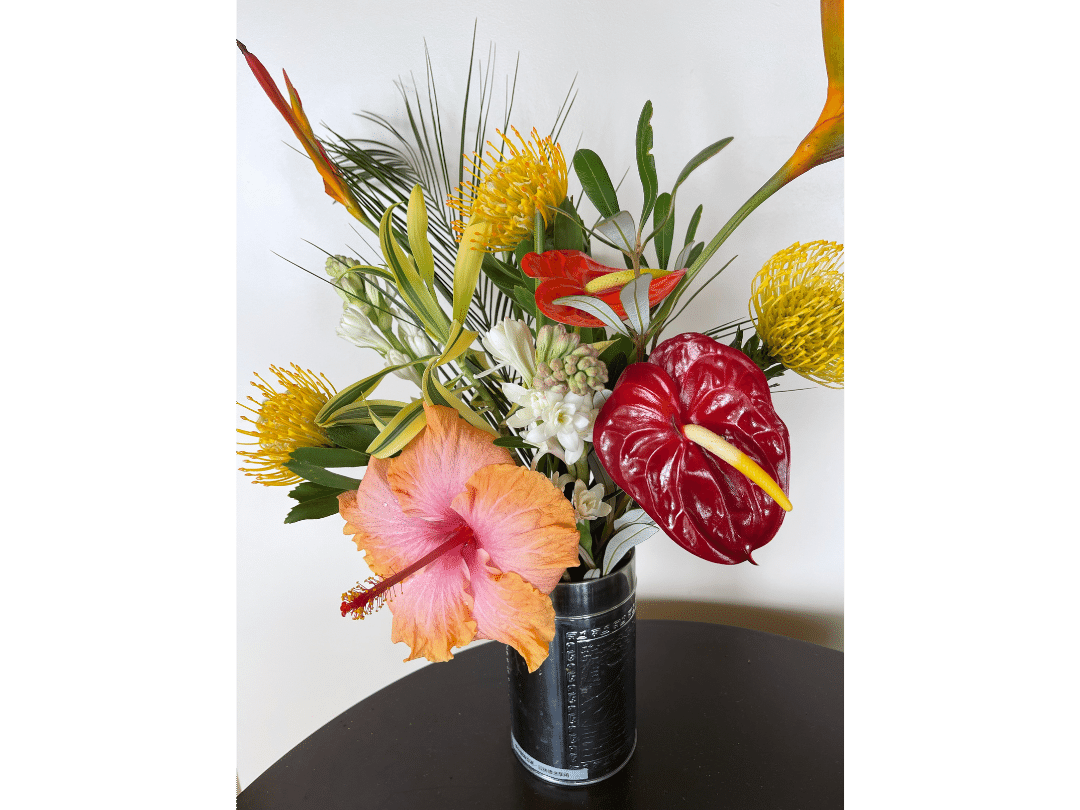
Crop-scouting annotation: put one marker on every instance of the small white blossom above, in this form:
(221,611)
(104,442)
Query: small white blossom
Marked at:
(511,343)
(410,373)
(356,327)
(589,503)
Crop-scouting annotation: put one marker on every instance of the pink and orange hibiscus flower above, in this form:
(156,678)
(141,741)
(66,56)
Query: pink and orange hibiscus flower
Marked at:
(472,543)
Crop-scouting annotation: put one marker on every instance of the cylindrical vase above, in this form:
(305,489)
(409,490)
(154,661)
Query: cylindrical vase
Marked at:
(573,721)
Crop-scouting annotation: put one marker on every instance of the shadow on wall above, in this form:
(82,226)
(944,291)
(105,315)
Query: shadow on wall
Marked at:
(826,629)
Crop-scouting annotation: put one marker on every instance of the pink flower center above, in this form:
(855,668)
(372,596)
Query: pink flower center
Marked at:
(363,601)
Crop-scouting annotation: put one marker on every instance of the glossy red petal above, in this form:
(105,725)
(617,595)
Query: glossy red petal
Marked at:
(554,288)
(701,502)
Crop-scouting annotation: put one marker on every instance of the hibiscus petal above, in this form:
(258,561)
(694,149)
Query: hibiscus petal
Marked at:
(389,539)
(522,521)
(434,467)
(433,609)
(508,609)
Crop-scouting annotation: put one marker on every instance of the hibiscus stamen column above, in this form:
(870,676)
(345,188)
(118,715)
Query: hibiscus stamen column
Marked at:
(363,601)
(739,460)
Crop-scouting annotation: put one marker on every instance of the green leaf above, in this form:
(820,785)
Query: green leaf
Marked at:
(329,456)
(355,437)
(318,475)
(400,430)
(313,509)
(645,161)
(595,307)
(470,256)
(412,288)
(359,390)
(664,222)
(706,153)
(308,491)
(569,229)
(526,299)
(691,230)
(596,182)
(700,246)
(513,442)
(585,536)
(620,230)
(418,240)
(634,297)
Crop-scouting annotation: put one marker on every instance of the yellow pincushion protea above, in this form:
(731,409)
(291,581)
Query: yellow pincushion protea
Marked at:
(507,193)
(285,420)
(797,300)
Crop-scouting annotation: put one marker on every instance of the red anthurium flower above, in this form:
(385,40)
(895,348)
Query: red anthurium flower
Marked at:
(571,272)
(691,435)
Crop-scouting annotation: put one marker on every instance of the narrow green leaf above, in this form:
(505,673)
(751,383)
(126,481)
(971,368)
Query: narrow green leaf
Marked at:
(700,246)
(314,509)
(664,222)
(329,456)
(308,491)
(596,182)
(319,475)
(569,229)
(706,153)
(418,240)
(585,538)
(355,437)
(524,246)
(514,442)
(526,299)
(691,230)
(400,430)
(645,161)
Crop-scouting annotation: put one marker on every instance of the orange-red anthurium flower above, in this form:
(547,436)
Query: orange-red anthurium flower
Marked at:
(571,272)
(471,543)
(825,141)
(296,118)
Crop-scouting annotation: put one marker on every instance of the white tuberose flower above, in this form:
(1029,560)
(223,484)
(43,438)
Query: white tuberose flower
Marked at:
(589,503)
(559,424)
(357,328)
(511,344)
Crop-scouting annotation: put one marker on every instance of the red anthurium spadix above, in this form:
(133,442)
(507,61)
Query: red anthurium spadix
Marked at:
(571,272)
(692,436)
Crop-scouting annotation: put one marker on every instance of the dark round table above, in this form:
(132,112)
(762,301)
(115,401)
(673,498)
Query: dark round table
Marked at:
(726,718)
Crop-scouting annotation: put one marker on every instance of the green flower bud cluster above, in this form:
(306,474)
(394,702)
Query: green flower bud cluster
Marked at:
(565,365)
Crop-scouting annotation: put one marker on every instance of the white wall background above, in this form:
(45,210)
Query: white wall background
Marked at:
(750,70)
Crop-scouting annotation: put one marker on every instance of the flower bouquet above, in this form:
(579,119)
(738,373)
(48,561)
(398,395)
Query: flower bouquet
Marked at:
(555,425)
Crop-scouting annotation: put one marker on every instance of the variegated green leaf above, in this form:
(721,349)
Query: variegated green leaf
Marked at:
(412,288)
(359,391)
(438,394)
(418,240)
(596,308)
(635,300)
(400,431)
(632,528)
(620,230)
(458,342)
(470,256)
